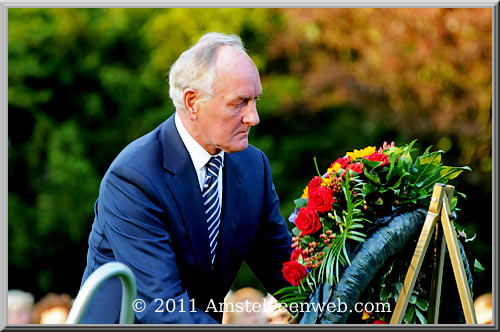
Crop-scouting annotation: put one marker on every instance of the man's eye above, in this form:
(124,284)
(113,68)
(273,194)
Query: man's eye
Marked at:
(244,102)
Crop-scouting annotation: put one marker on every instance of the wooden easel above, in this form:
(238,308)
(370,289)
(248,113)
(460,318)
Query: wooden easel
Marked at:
(438,209)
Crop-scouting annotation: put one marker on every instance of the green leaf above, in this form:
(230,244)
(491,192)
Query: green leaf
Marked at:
(413,299)
(409,147)
(316,166)
(379,201)
(396,150)
(356,238)
(453,203)
(398,183)
(346,256)
(285,290)
(403,166)
(453,172)
(392,162)
(471,238)
(421,317)
(422,304)
(382,281)
(426,152)
(399,285)
(458,227)
(389,270)
(409,315)
(307,239)
(372,164)
(289,296)
(295,231)
(372,177)
(432,158)
(385,293)
(406,155)
(368,188)
(300,202)
(477,266)
(351,232)
(428,174)
(298,299)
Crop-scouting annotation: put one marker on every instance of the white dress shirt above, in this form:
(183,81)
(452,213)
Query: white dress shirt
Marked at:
(199,156)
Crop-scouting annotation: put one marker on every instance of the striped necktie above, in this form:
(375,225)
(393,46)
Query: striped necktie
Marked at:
(211,201)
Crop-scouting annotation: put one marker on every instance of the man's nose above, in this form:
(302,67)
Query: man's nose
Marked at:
(251,116)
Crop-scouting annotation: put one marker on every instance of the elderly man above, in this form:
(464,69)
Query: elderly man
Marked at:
(186,204)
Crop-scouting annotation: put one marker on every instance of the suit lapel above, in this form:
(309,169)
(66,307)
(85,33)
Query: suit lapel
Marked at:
(233,202)
(184,186)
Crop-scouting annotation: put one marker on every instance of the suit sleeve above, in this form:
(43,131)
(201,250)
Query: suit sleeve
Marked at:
(132,216)
(271,246)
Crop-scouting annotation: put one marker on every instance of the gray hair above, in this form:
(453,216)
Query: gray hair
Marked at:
(19,300)
(195,68)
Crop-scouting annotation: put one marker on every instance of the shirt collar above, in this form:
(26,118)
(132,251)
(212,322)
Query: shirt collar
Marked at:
(198,154)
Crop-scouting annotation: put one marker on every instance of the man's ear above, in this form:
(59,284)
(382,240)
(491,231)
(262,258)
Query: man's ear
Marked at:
(190,97)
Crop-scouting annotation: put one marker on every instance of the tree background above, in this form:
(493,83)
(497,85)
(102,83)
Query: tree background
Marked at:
(83,83)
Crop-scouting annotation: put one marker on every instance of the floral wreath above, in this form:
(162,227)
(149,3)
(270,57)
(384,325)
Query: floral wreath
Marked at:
(335,208)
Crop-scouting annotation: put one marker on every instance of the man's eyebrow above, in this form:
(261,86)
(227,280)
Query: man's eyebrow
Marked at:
(244,97)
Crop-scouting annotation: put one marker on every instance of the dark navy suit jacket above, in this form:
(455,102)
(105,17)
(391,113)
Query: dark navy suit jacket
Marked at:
(150,216)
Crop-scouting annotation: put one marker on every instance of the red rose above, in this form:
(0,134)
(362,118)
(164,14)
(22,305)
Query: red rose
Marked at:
(358,168)
(314,183)
(307,220)
(321,199)
(344,161)
(294,272)
(378,321)
(377,156)
(296,254)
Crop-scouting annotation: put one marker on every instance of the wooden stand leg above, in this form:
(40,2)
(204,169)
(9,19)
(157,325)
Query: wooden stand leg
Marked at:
(439,207)
(437,276)
(457,263)
(418,256)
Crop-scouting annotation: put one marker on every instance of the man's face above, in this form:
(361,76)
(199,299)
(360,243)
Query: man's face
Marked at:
(225,119)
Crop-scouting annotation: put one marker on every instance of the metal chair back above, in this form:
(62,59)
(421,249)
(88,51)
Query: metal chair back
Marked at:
(90,286)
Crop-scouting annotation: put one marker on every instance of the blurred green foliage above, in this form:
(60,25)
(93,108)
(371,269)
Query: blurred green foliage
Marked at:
(83,83)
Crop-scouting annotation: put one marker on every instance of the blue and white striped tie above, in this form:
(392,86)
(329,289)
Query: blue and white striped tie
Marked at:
(211,201)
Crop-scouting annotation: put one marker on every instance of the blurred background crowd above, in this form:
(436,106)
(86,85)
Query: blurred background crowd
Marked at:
(83,83)
(245,306)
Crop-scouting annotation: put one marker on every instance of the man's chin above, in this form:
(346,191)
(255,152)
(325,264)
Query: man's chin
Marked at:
(242,145)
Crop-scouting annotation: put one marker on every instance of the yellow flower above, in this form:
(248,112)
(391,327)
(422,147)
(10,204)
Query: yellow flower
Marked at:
(334,169)
(366,314)
(305,195)
(327,182)
(362,153)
